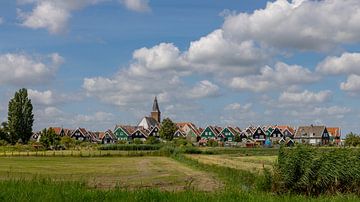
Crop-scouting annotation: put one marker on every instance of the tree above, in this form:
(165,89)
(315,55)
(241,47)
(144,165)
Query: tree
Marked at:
(20,117)
(168,128)
(49,138)
(67,142)
(352,140)
(4,132)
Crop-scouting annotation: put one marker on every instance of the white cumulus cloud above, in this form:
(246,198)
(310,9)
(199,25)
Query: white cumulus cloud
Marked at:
(347,63)
(352,84)
(281,76)
(204,89)
(298,24)
(305,97)
(21,69)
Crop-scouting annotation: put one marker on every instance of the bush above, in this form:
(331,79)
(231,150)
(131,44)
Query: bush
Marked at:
(137,141)
(212,143)
(191,150)
(152,140)
(67,141)
(3,143)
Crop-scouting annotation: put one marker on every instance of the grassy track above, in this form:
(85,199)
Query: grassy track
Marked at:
(79,153)
(130,173)
(248,163)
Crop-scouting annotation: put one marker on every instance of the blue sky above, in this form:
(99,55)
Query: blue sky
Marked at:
(97,63)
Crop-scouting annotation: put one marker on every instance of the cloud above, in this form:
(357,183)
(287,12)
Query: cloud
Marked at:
(54,15)
(164,56)
(153,71)
(320,113)
(298,24)
(238,107)
(37,97)
(204,89)
(94,118)
(347,63)
(281,76)
(215,54)
(352,84)
(136,5)
(305,97)
(21,69)
(1,20)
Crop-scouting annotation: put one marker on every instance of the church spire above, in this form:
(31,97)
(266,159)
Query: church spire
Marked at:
(156,114)
(155,106)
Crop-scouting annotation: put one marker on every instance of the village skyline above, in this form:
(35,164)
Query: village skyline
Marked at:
(96,64)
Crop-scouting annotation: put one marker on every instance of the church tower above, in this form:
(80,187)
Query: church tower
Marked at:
(156,114)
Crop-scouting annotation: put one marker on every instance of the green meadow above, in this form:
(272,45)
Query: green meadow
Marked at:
(213,175)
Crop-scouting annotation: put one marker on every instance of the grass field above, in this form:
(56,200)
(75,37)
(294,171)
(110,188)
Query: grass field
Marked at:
(109,172)
(248,163)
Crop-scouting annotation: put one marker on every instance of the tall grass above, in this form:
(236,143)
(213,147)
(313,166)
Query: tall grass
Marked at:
(312,171)
(47,190)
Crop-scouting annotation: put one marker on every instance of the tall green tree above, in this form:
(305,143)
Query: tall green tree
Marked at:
(168,128)
(20,117)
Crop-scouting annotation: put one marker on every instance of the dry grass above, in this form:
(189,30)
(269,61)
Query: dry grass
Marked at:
(249,163)
(127,172)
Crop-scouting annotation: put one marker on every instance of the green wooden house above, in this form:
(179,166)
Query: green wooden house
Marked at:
(228,134)
(210,132)
(123,133)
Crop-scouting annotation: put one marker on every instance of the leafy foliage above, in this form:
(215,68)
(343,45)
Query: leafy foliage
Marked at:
(49,139)
(67,141)
(352,140)
(212,143)
(20,117)
(168,128)
(4,132)
(152,140)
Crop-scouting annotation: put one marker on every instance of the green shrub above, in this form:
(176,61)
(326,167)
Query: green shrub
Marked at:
(152,140)
(212,143)
(191,150)
(3,143)
(137,141)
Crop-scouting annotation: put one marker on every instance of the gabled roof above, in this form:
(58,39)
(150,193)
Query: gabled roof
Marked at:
(214,129)
(151,122)
(126,128)
(182,133)
(334,131)
(259,127)
(232,130)
(284,127)
(317,131)
(142,131)
(101,135)
(57,130)
(238,129)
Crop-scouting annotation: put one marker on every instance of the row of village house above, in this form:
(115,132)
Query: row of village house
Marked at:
(315,135)
(150,126)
